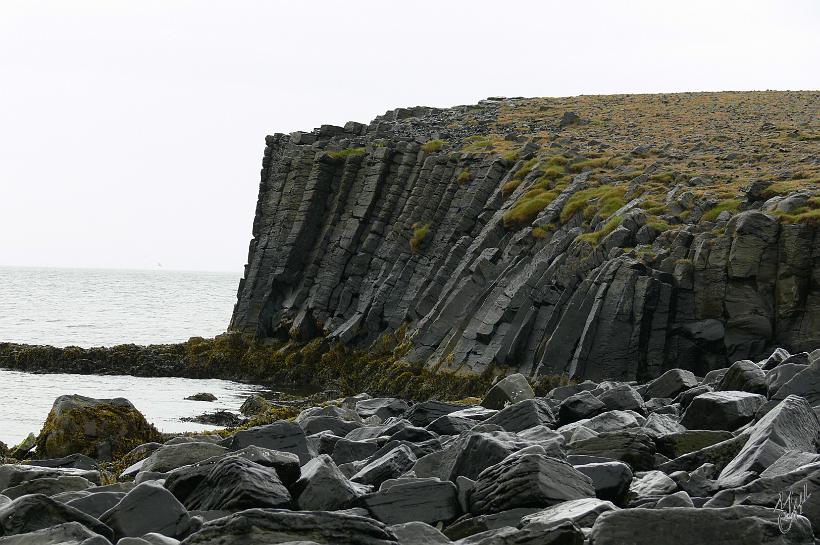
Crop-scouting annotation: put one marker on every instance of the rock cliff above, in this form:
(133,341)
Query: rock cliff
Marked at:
(597,237)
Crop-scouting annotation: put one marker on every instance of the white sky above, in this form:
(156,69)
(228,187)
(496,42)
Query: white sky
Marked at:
(131,133)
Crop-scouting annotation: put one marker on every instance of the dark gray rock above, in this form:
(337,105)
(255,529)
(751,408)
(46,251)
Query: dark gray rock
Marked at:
(670,384)
(283,436)
(68,533)
(523,415)
(383,407)
(526,479)
(345,450)
(630,446)
(74,461)
(744,376)
(14,474)
(652,483)
(780,375)
(424,413)
(579,406)
(741,525)
(170,457)
(323,487)
(451,425)
(148,508)
(234,483)
(582,512)
(388,466)
(37,512)
(418,533)
(678,499)
(49,486)
(333,424)
(675,445)
(622,397)
(273,526)
(507,391)
(97,503)
(405,500)
(611,480)
(805,384)
(469,525)
(792,425)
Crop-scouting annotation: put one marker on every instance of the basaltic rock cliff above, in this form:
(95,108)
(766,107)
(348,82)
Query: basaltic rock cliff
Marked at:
(597,236)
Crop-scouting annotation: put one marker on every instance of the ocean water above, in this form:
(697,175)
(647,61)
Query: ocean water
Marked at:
(84,307)
(90,307)
(25,399)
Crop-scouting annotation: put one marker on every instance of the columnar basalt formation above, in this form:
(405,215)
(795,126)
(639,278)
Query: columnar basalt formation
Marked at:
(640,235)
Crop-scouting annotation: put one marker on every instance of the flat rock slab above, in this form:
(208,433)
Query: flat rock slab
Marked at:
(528,480)
(283,436)
(583,512)
(423,500)
(740,525)
(255,526)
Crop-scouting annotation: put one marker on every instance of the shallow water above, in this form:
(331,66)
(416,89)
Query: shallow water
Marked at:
(25,399)
(98,307)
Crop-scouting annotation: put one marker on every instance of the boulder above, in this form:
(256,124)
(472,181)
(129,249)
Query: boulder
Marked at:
(345,450)
(37,512)
(469,525)
(528,479)
(422,414)
(805,384)
(652,483)
(272,526)
(202,396)
(103,429)
(719,454)
(388,466)
(50,486)
(791,425)
(670,384)
(148,508)
(723,410)
(234,483)
(675,445)
(658,425)
(282,436)
(451,425)
(333,424)
(323,487)
(741,525)
(253,405)
(578,407)
(744,376)
(97,503)
(418,533)
(582,512)
(169,457)
(611,480)
(678,499)
(383,407)
(634,447)
(523,415)
(15,474)
(68,533)
(72,461)
(427,500)
(509,390)
(622,397)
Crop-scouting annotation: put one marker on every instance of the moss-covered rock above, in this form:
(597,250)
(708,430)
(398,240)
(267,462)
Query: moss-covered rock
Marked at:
(104,429)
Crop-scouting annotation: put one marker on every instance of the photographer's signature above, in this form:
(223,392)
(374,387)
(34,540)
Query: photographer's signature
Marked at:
(790,507)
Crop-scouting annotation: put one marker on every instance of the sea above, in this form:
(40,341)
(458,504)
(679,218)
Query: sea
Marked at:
(97,307)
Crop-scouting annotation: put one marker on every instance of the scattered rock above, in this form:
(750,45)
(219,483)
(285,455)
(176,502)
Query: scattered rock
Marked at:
(202,396)
(509,390)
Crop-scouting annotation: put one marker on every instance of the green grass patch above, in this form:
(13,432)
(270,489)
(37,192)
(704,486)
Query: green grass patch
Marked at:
(603,200)
(730,205)
(432,146)
(525,169)
(464,177)
(510,156)
(588,164)
(595,237)
(347,152)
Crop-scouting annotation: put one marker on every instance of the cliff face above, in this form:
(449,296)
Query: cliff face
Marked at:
(602,237)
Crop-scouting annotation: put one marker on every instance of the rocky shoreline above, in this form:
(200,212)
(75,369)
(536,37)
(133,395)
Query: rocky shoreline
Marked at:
(678,460)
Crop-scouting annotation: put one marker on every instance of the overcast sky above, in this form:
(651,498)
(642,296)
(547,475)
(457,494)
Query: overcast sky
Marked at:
(131,133)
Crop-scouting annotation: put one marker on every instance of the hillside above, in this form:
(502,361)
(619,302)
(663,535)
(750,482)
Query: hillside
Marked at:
(589,237)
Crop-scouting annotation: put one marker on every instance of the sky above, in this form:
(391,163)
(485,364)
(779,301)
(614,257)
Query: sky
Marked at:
(132,132)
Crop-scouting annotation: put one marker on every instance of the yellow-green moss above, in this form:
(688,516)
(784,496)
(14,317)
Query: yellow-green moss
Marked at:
(595,237)
(432,146)
(730,205)
(603,200)
(420,233)
(345,153)
(464,177)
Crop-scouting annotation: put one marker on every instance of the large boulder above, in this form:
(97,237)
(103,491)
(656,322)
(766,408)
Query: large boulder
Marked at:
(67,533)
(791,425)
(523,415)
(388,466)
(323,487)
(678,444)
(49,486)
(611,480)
(583,512)
(744,376)
(427,500)
(805,384)
(579,406)
(274,526)
(169,457)
(725,410)
(37,512)
(100,428)
(148,508)
(634,447)
(670,384)
(741,525)
(283,436)
(528,479)
(509,390)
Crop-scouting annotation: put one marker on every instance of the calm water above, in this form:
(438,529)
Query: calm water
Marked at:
(84,307)
(87,307)
(25,399)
